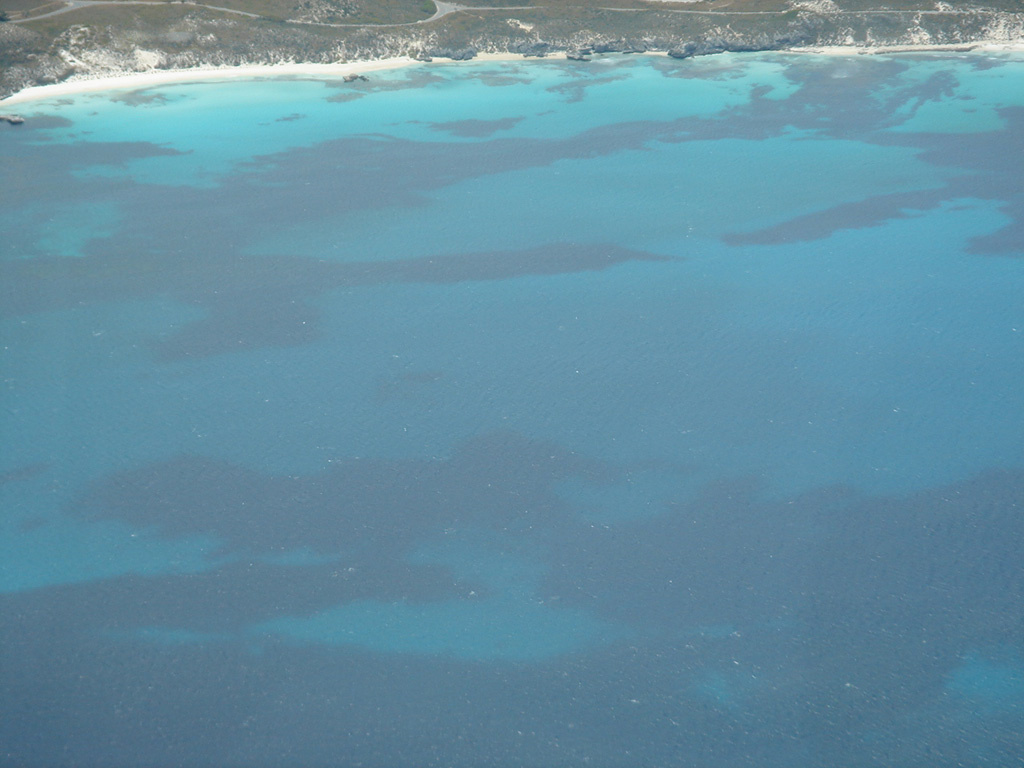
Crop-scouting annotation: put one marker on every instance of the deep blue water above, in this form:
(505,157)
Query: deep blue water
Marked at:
(629,413)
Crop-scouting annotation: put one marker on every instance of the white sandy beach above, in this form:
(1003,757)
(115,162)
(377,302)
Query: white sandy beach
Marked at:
(136,80)
(876,50)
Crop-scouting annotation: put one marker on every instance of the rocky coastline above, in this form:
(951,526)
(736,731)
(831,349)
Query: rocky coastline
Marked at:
(191,39)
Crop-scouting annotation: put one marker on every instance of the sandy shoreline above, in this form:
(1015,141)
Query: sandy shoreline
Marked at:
(136,80)
(876,50)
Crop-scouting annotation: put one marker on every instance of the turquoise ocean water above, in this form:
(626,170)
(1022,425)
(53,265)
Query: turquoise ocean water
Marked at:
(625,413)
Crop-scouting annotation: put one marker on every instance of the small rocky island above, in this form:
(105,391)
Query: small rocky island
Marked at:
(44,41)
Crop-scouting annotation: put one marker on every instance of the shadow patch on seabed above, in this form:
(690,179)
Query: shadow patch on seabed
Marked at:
(827,628)
(263,300)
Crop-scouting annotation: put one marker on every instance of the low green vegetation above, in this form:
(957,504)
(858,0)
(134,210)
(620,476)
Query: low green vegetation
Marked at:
(45,40)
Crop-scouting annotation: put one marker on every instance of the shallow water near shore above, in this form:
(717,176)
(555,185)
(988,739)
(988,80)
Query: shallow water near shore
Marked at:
(631,412)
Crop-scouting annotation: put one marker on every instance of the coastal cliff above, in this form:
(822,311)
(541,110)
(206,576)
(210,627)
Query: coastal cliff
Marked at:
(92,39)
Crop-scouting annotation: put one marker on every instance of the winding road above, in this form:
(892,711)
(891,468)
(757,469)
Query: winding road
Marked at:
(74,5)
(444,9)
